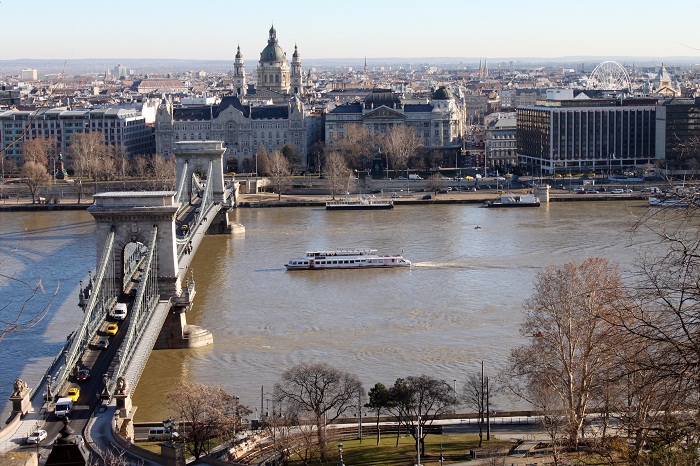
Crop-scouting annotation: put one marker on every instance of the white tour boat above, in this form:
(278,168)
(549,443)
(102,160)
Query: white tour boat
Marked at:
(360,203)
(346,259)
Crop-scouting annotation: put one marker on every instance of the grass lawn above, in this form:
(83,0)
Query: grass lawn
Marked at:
(455,448)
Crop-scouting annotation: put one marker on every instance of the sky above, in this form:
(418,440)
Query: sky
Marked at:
(211,29)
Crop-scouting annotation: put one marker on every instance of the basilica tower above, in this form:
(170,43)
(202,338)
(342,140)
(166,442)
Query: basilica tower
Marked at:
(273,69)
(239,74)
(296,76)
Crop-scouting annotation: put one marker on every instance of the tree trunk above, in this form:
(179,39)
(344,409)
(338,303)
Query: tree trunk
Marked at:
(321,437)
(378,433)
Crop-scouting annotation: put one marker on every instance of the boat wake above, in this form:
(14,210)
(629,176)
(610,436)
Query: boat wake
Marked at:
(282,269)
(444,265)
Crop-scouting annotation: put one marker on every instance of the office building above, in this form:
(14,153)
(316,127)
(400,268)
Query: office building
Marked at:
(29,75)
(122,127)
(586,135)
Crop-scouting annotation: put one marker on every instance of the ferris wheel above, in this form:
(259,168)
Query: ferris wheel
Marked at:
(609,75)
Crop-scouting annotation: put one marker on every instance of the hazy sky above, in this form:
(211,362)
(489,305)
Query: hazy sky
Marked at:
(211,29)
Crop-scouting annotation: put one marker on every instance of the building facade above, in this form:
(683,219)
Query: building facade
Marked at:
(126,128)
(500,140)
(601,134)
(678,131)
(439,123)
(242,127)
(29,75)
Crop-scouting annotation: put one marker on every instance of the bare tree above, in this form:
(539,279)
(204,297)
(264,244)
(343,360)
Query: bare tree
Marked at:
(9,165)
(337,173)
(23,311)
(320,391)
(34,176)
(87,150)
(435,183)
(139,167)
(553,417)
(356,145)
(208,412)
(572,339)
(120,156)
(39,150)
(474,397)
(279,172)
(418,401)
(111,456)
(163,169)
(401,144)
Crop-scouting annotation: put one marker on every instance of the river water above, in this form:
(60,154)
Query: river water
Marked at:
(460,304)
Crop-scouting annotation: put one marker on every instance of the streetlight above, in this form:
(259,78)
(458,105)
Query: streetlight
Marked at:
(340,455)
(418,443)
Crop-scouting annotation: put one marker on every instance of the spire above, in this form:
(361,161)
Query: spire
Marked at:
(238,52)
(273,35)
(296,52)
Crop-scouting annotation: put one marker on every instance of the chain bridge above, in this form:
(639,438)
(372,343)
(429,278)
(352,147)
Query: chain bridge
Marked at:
(145,243)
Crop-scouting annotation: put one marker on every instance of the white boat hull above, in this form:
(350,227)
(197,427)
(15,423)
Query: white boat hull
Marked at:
(344,259)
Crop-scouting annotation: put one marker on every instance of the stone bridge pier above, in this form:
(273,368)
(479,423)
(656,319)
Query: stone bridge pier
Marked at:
(133,215)
(194,157)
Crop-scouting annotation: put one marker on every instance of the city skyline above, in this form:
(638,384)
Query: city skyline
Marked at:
(214,28)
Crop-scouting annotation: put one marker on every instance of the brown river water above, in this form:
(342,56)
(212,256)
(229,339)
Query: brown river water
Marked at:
(460,304)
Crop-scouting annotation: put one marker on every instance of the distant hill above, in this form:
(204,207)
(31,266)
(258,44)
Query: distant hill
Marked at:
(141,65)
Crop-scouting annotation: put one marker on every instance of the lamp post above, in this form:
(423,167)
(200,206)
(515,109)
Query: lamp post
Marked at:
(340,455)
(418,443)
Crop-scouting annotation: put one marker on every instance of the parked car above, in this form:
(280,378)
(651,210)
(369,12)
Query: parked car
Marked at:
(427,197)
(37,436)
(617,191)
(83,375)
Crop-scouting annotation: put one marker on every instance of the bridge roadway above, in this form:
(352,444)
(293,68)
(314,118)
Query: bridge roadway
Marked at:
(91,411)
(128,218)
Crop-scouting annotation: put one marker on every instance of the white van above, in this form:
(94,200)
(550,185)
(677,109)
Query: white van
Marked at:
(119,311)
(63,407)
(160,433)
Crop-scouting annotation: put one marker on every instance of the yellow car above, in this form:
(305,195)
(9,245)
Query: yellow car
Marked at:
(112,329)
(73,394)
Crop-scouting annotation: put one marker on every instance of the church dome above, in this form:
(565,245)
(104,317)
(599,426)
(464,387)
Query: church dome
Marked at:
(442,93)
(273,52)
